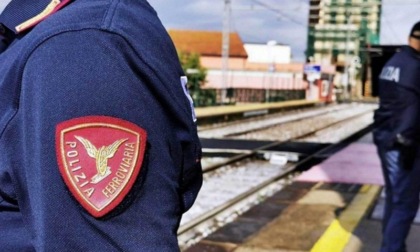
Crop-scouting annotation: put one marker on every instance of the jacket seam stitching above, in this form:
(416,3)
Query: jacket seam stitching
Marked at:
(109,15)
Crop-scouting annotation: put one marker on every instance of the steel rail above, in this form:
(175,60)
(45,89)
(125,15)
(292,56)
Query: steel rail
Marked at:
(253,152)
(268,117)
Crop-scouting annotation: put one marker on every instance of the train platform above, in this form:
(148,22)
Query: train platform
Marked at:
(229,112)
(335,206)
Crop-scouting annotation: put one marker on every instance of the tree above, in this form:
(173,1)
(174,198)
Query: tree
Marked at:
(196,75)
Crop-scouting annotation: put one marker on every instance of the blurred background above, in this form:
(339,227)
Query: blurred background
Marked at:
(275,50)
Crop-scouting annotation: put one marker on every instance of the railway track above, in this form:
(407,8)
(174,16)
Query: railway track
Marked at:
(238,182)
(264,122)
(306,129)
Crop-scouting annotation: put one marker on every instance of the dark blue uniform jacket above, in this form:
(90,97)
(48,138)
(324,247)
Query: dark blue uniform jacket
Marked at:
(399,92)
(92,58)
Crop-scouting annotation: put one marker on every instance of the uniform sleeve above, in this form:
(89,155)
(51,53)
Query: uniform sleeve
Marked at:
(68,80)
(407,107)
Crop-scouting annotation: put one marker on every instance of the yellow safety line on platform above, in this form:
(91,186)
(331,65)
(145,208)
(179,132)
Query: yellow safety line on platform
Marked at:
(338,234)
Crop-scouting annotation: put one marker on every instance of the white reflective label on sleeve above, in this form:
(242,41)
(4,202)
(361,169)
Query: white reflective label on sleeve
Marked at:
(184,81)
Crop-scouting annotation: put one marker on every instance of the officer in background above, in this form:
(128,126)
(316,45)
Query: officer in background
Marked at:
(98,142)
(397,136)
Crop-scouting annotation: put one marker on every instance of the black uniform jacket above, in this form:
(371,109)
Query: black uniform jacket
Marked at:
(399,90)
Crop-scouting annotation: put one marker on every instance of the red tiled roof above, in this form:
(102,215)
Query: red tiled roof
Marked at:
(206,43)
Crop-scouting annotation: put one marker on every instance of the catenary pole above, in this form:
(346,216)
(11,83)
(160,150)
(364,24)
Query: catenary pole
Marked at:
(225,48)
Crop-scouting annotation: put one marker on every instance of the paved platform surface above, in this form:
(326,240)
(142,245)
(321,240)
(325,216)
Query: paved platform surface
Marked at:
(329,208)
(358,163)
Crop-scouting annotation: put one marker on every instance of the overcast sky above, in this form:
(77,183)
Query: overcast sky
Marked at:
(3,4)
(286,22)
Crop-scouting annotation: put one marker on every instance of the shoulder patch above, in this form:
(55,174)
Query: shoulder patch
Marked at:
(99,159)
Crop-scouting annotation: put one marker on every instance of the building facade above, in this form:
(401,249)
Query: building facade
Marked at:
(268,53)
(257,72)
(339,30)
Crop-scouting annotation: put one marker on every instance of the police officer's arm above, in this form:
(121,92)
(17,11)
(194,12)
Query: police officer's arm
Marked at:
(407,126)
(83,78)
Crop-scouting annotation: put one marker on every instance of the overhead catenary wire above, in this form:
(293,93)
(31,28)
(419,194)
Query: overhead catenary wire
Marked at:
(378,3)
(289,18)
(250,36)
(279,12)
(390,28)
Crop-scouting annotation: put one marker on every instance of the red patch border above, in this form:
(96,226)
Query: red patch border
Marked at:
(110,122)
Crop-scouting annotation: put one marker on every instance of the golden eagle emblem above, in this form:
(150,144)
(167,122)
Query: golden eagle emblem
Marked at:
(101,156)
